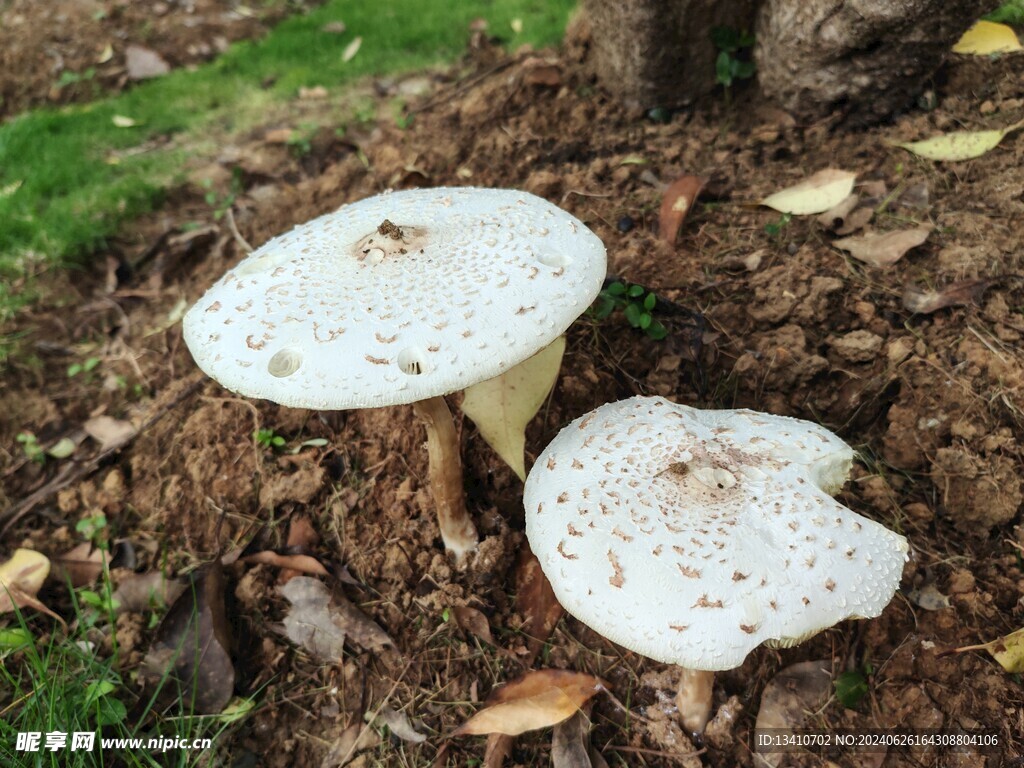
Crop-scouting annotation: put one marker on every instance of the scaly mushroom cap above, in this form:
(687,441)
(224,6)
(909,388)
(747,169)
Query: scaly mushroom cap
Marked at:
(694,536)
(397,298)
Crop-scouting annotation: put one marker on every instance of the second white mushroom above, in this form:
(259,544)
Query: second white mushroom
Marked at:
(694,536)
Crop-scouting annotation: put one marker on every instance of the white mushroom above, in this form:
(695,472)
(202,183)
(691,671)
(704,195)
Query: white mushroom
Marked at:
(400,298)
(694,536)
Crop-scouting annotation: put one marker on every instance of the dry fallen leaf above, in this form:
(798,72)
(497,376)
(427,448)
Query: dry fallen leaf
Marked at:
(294,563)
(676,204)
(141,592)
(536,601)
(883,250)
(109,432)
(570,743)
(319,620)
(959,145)
(143,63)
(986,38)
(925,300)
(538,699)
(1008,651)
(398,723)
(351,49)
(354,739)
(20,580)
(473,621)
(817,194)
(929,598)
(81,566)
(502,407)
(788,697)
(835,216)
(192,645)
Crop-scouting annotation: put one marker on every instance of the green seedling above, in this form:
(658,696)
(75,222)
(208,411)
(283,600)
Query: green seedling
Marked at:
(30,445)
(221,203)
(852,686)
(267,438)
(94,528)
(774,228)
(636,303)
(733,62)
(88,365)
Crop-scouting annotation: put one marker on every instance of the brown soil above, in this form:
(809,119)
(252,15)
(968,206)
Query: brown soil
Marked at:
(62,51)
(777,321)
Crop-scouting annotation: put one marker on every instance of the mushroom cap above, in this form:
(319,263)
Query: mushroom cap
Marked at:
(693,536)
(397,298)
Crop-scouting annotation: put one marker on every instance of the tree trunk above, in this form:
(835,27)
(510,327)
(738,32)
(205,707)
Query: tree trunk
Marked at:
(652,53)
(867,58)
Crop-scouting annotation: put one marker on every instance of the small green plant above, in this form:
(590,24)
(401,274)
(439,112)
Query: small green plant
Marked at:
(636,303)
(269,439)
(1011,12)
(852,686)
(86,366)
(774,228)
(67,77)
(30,445)
(301,141)
(221,203)
(733,62)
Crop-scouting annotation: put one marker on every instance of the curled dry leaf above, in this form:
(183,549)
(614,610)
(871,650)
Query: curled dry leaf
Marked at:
(21,577)
(290,563)
(1008,651)
(676,204)
(929,598)
(502,407)
(796,690)
(473,621)
(352,49)
(319,620)
(399,724)
(883,250)
(192,645)
(836,216)
(353,740)
(925,300)
(820,192)
(570,743)
(538,699)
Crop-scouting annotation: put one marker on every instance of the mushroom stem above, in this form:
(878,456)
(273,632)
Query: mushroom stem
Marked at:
(457,529)
(693,698)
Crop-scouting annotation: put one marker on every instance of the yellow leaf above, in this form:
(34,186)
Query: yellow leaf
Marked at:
(817,194)
(122,121)
(986,38)
(959,145)
(502,407)
(21,577)
(1008,651)
(538,699)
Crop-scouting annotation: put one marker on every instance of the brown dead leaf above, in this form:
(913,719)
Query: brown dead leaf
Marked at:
(925,300)
(473,621)
(143,591)
(536,601)
(354,739)
(538,699)
(796,690)
(109,432)
(570,743)
(835,216)
(676,204)
(399,724)
(537,71)
(320,619)
(883,250)
(21,577)
(294,563)
(192,645)
(81,566)
(857,220)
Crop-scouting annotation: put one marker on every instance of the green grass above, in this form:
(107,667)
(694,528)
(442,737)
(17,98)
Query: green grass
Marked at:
(1009,13)
(69,178)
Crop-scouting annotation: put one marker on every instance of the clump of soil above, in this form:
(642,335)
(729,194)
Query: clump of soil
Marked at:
(761,313)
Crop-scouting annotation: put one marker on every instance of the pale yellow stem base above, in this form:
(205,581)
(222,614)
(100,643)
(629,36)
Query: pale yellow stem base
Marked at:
(457,529)
(694,698)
